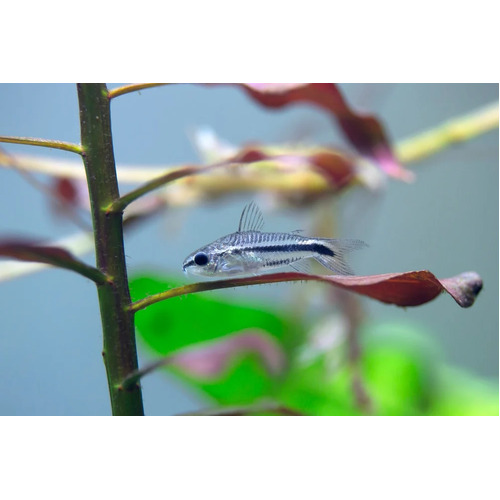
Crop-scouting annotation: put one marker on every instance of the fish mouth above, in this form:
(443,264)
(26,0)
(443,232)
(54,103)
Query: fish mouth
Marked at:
(187,264)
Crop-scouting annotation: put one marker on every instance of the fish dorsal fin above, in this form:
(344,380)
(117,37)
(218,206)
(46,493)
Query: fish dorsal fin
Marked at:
(251,218)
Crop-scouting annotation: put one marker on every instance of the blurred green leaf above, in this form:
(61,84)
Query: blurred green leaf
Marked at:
(406,375)
(182,321)
(403,373)
(464,394)
(399,366)
(313,390)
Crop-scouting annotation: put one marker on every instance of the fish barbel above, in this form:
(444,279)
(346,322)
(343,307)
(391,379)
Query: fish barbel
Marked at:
(250,251)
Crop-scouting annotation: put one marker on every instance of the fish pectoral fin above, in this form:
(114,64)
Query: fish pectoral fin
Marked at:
(231,264)
(336,264)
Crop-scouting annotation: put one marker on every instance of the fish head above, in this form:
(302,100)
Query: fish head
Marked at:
(216,260)
(203,262)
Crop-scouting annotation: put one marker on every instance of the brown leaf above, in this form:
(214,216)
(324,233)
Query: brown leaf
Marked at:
(33,252)
(364,132)
(412,288)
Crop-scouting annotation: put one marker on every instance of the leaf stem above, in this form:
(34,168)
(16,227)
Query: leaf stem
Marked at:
(119,345)
(135,87)
(170,176)
(265,407)
(459,129)
(213,285)
(45,143)
(120,204)
(352,309)
(134,377)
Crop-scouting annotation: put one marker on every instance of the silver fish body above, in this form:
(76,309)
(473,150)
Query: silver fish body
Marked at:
(250,251)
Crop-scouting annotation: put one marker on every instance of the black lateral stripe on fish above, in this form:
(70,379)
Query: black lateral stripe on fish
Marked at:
(249,251)
(296,247)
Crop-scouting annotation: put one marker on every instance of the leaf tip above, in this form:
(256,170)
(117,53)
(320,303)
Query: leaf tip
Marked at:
(464,288)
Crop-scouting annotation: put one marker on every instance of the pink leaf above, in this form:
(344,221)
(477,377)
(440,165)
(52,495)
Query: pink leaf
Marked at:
(211,359)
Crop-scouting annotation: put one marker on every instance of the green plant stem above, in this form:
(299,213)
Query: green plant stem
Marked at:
(45,143)
(119,346)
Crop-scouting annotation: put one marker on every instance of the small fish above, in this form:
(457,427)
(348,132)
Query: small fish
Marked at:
(250,252)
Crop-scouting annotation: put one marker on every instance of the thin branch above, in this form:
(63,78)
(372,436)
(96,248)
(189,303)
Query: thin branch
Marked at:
(45,189)
(75,170)
(460,129)
(269,407)
(135,87)
(120,204)
(133,378)
(30,251)
(352,309)
(214,285)
(77,244)
(173,175)
(45,143)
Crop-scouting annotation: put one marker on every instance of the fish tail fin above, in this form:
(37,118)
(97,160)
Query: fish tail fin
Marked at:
(339,248)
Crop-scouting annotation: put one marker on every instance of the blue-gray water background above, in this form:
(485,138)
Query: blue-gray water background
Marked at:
(447,222)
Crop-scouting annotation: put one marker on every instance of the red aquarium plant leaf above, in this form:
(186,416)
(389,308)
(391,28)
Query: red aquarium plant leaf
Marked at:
(411,288)
(71,193)
(33,252)
(363,131)
(66,191)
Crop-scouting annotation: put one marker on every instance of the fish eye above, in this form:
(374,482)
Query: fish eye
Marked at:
(201,259)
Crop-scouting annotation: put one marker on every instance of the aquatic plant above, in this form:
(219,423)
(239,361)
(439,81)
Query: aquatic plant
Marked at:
(252,359)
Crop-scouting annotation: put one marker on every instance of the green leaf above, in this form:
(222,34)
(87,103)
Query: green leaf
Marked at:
(313,390)
(403,373)
(172,324)
(399,367)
